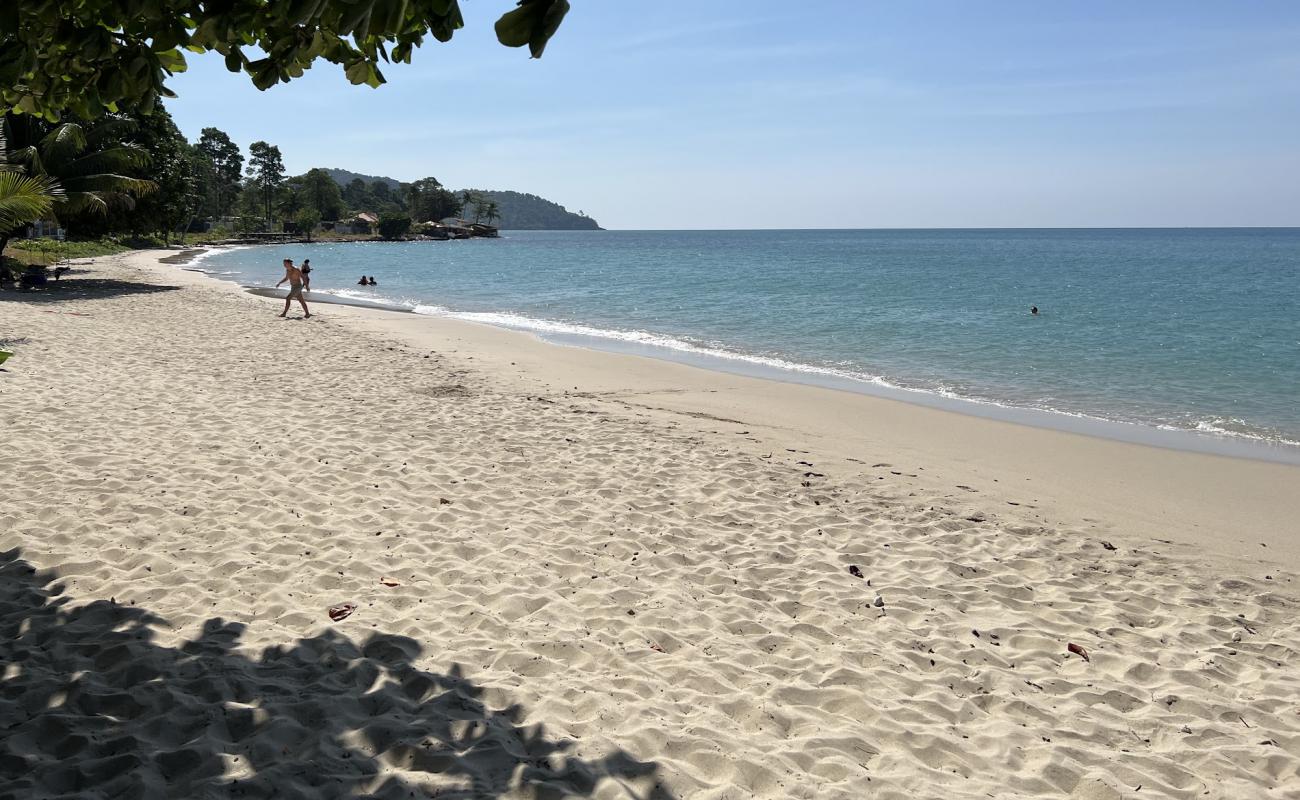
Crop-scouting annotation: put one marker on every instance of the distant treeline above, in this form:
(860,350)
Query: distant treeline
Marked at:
(137,175)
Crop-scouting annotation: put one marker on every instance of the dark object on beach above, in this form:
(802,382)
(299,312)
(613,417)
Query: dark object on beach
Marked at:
(1108,545)
(442,501)
(390,582)
(1033,310)
(342,611)
(854,571)
(59,272)
(33,277)
(1078,651)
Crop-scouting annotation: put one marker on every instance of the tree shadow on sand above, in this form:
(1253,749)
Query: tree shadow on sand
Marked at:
(92,707)
(70,288)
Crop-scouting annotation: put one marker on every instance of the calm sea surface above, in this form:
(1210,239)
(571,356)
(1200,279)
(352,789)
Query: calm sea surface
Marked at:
(1197,330)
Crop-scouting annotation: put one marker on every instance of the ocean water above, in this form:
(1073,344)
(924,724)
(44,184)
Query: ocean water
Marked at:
(1192,330)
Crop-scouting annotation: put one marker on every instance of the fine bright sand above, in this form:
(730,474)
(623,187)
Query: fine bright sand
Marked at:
(585,575)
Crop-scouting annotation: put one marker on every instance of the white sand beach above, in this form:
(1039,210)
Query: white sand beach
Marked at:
(582,574)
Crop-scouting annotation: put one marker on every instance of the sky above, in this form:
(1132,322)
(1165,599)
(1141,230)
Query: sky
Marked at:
(823,114)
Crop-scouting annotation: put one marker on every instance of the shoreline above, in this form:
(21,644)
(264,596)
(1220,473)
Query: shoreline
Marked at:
(1225,503)
(1226,444)
(416,556)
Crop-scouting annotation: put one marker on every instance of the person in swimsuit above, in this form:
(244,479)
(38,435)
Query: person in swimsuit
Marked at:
(362,282)
(306,274)
(294,276)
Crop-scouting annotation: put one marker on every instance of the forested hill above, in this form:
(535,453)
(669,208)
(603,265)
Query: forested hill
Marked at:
(521,211)
(518,211)
(343,177)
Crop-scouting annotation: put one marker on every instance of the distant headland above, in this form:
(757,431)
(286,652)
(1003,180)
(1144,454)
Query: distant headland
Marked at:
(517,210)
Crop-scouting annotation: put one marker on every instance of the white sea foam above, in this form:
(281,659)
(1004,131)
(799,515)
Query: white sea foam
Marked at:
(546,326)
(654,340)
(211,251)
(368,297)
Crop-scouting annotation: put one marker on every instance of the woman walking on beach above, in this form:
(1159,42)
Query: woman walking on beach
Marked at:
(294,276)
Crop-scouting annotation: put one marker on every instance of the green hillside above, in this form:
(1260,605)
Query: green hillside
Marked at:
(343,177)
(519,211)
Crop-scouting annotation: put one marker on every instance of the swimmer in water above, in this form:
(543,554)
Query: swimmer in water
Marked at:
(1033,310)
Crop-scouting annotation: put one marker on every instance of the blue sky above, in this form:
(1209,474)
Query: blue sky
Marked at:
(757,114)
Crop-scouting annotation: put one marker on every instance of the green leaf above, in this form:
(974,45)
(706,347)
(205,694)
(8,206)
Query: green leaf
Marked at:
(172,61)
(357,72)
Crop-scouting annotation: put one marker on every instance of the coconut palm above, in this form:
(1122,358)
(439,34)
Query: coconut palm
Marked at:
(90,165)
(23,199)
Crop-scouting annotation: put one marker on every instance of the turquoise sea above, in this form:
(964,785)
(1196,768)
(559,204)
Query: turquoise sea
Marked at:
(1194,330)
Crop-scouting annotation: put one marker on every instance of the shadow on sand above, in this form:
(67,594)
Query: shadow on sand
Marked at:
(92,707)
(76,288)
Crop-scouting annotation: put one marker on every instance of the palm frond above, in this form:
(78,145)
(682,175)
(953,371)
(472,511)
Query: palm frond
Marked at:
(27,158)
(83,203)
(24,199)
(115,159)
(63,144)
(109,182)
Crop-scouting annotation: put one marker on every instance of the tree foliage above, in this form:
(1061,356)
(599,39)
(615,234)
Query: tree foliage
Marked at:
(357,195)
(265,173)
(23,198)
(92,56)
(181,175)
(394,225)
(93,162)
(306,221)
(227,168)
(428,201)
(318,192)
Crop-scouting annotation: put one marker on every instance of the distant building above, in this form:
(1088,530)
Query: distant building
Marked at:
(361,224)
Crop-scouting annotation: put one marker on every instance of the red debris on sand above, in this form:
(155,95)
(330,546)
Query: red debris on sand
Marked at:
(1078,651)
(342,611)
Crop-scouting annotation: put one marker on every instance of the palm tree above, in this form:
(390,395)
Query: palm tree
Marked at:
(491,211)
(469,198)
(88,164)
(23,199)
